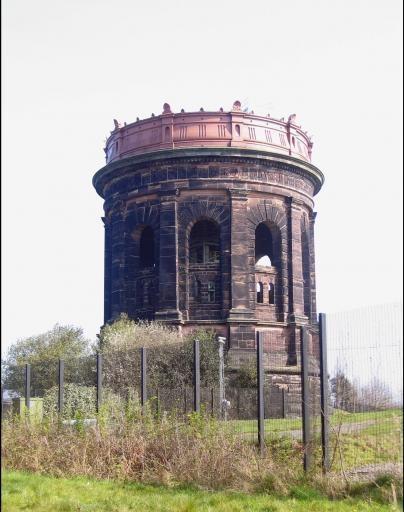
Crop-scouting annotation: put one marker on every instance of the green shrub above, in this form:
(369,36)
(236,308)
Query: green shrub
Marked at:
(169,356)
(78,400)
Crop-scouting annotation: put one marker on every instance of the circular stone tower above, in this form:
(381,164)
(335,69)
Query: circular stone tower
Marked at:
(209,222)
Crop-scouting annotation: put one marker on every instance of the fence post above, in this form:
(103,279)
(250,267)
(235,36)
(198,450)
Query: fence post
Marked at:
(324,393)
(260,393)
(197,378)
(143,376)
(99,381)
(283,403)
(27,386)
(305,397)
(61,385)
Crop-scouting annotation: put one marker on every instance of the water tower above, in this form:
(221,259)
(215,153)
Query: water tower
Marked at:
(209,222)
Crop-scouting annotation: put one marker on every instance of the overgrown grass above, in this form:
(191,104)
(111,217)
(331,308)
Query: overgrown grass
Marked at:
(200,451)
(37,493)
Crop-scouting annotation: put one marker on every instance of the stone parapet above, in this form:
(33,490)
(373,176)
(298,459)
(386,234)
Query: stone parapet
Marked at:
(236,128)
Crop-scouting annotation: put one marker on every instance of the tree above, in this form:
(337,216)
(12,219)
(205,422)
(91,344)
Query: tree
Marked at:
(376,396)
(343,392)
(42,352)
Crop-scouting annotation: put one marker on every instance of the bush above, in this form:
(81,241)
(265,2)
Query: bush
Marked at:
(245,376)
(77,400)
(169,356)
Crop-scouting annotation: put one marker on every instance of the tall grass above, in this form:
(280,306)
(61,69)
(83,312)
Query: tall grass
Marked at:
(137,447)
(199,451)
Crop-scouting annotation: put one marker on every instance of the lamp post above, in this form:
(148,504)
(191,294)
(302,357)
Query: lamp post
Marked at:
(223,409)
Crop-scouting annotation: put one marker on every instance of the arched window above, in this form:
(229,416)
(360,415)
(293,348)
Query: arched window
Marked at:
(260,293)
(264,250)
(204,243)
(146,248)
(271,293)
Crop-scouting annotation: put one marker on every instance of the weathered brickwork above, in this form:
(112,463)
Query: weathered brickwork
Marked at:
(219,237)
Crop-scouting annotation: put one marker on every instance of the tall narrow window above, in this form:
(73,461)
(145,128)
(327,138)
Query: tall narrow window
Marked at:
(271,293)
(146,248)
(211,292)
(263,246)
(260,293)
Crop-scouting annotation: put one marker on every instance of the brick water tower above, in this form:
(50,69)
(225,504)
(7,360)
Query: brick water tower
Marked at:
(209,223)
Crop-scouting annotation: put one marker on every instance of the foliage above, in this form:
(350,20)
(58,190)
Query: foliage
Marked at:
(125,334)
(169,356)
(376,396)
(77,400)
(245,376)
(343,392)
(42,352)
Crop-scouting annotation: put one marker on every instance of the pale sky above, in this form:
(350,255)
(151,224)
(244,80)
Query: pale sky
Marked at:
(70,67)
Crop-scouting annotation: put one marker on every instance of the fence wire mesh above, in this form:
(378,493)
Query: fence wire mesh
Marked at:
(365,367)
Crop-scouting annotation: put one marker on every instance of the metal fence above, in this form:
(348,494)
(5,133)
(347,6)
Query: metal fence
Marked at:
(365,385)
(338,405)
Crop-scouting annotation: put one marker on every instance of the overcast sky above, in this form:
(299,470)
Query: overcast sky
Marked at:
(70,67)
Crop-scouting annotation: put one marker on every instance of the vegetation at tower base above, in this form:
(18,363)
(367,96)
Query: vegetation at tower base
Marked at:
(169,357)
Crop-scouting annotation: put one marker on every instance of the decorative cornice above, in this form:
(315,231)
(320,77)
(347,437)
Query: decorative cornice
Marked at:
(272,161)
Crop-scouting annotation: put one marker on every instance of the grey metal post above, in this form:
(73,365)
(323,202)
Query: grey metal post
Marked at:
(305,398)
(283,403)
(260,393)
(222,408)
(143,376)
(27,386)
(197,378)
(99,381)
(324,393)
(61,385)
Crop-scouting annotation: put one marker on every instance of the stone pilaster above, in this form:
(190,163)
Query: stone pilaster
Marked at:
(107,269)
(240,272)
(295,267)
(118,299)
(168,268)
(312,219)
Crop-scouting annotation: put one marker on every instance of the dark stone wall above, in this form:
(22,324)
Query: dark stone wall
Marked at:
(236,195)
